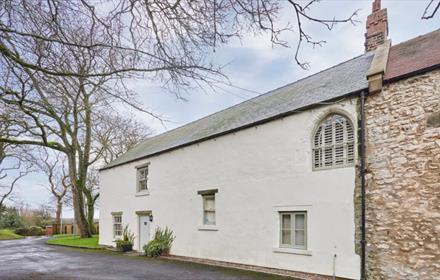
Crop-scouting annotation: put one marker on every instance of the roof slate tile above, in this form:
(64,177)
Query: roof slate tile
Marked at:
(338,81)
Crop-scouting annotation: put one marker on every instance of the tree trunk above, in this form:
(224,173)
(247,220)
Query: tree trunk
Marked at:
(80,218)
(90,217)
(78,185)
(58,217)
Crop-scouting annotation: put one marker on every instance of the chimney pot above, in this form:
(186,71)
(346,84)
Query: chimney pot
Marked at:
(376,5)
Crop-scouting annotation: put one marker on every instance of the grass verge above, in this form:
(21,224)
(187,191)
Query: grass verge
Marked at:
(75,241)
(7,234)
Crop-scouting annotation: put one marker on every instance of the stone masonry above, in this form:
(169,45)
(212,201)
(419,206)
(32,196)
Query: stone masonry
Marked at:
(403,179)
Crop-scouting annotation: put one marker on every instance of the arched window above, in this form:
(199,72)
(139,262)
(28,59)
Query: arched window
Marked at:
(333,143)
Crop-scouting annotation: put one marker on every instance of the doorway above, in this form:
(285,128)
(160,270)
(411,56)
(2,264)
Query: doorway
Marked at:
(144,230)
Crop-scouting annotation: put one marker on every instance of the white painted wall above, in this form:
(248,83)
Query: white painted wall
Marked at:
(257,172)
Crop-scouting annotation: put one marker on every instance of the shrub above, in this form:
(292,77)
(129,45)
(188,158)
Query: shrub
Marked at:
(9,218)
(30,231)
(161,244)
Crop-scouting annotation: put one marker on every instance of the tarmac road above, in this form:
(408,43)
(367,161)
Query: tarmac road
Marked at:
(32,258)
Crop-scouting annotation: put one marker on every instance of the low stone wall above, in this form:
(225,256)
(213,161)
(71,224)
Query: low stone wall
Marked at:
(403,179)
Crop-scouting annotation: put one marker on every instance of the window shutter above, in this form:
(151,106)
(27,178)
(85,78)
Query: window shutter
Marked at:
(333,143)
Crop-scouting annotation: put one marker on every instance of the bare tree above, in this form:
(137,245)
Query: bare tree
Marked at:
(116,135)
(53,166)
(167,38)
(59,112)
(13,167)
(10,174)
(64,113)
(431,9)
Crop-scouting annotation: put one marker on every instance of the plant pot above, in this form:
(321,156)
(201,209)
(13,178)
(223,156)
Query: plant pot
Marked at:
(126,247)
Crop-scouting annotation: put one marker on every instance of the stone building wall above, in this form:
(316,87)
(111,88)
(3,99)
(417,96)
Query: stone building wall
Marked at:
(403,179)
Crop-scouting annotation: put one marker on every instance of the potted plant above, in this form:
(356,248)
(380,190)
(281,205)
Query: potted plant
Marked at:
(126,243)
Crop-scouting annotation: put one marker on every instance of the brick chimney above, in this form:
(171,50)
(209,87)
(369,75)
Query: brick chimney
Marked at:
(377,27)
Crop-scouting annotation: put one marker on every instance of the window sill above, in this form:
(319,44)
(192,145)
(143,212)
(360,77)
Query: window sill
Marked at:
(207,228)
(142,193)
(292,251)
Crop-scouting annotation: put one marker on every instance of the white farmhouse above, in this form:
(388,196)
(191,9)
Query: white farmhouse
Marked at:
(336,174)
(269,182)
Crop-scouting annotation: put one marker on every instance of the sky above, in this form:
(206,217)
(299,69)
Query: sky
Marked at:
(256,66)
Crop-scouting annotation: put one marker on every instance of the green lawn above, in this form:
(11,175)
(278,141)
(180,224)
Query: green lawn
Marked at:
(75,241)
(6,234)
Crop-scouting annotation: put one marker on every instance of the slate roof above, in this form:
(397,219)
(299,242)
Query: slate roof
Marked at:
(412,56)
(346,78)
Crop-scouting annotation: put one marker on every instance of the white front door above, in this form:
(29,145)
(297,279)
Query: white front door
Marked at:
(144,231)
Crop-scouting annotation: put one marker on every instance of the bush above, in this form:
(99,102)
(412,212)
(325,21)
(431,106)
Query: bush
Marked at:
(30,231)
(161,244)
(9,218)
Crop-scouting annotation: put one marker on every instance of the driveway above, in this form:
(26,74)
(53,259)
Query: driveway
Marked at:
(32,258)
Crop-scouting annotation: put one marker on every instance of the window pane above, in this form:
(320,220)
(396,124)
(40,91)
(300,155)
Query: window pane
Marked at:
(300,221)
(142,173)
(286,237)
(143,185)
(209,218)
(117,219)
(286,221)
(300,239)
(209,203)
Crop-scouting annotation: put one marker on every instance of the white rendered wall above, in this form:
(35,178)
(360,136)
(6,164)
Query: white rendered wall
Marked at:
(257,172)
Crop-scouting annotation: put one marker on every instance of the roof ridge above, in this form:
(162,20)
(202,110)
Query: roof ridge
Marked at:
(418,37)
(255,97)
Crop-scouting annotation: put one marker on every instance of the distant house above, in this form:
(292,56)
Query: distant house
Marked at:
(335,174)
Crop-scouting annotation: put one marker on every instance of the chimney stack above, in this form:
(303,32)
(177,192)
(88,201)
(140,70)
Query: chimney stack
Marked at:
(377,27)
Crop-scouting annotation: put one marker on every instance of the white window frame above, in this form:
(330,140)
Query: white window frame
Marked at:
(139,179)
(340,148)
(208,194)
(116,223)
(205,210)
(293,230)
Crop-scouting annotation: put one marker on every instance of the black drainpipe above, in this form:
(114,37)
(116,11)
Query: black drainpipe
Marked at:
(362,173)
